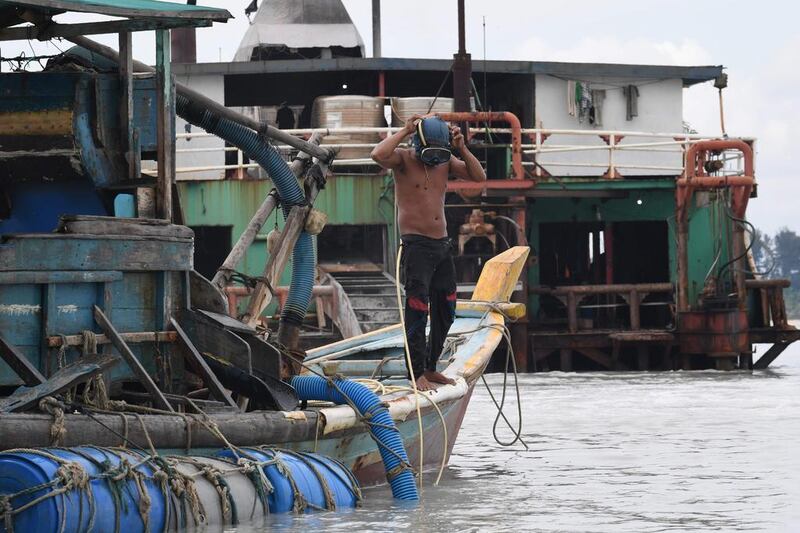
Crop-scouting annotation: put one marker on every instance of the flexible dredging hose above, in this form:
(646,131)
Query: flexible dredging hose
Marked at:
(304,258)
(376,415)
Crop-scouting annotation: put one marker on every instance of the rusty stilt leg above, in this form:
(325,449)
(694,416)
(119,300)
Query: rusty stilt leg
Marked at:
(566,359)
(642,357)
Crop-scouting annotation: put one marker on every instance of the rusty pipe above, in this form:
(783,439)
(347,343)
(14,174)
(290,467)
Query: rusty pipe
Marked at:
(715,182)
(496,116)
(719,145)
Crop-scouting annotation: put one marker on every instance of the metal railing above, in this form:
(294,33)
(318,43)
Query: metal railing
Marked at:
(540,148)
(571,297)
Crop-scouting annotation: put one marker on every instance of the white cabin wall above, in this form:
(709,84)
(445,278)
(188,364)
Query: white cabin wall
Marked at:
(212,86)
(660,111)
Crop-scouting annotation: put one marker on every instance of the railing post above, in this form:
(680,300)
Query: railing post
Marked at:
(612,143)
(572,312)
(633,304)
(239,165)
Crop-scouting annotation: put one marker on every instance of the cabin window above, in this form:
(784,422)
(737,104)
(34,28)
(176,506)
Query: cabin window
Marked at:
(212,244)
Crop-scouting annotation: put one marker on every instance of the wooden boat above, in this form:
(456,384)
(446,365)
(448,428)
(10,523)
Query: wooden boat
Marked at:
(335,431)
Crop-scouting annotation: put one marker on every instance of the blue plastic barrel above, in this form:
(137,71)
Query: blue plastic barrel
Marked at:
(305,470)
(112,502)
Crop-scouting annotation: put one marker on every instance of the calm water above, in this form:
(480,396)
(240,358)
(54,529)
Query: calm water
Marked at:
(634,452)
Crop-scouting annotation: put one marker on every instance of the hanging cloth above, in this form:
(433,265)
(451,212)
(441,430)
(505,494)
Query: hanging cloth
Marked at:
(571,107)
(584,101)
(631,93)
(596,115)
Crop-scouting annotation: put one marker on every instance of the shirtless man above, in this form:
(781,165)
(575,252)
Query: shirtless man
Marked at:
(427,269)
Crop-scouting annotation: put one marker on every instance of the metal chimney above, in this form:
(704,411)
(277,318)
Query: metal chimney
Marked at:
(184,42)
(462,67)
(376,28)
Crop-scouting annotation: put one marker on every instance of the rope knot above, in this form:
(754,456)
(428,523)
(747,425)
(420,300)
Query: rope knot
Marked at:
(57,429)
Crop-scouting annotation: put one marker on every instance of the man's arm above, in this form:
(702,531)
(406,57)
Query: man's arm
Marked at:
(467,168)
(386,153)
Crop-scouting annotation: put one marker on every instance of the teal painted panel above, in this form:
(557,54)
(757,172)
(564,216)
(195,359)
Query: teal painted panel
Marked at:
(71,252)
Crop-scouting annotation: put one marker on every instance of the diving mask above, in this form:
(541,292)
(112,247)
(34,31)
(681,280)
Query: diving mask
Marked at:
(432,141)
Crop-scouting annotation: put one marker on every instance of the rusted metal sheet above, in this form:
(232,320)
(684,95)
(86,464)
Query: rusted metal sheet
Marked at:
(40,123)
(713,332)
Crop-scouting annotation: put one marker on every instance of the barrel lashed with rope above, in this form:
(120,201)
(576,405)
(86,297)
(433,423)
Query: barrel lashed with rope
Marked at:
(112,489)
(300,482)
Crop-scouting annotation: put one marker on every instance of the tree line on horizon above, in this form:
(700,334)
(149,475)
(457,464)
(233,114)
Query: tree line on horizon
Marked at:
(778,256)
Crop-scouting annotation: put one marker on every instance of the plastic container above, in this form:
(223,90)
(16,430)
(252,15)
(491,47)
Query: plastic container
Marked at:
(306,469)
(19,471)
(347,111)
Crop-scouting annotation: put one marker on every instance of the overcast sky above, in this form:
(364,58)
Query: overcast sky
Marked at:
(758,43)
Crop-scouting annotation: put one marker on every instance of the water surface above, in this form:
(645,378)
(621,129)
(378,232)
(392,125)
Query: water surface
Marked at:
(627,452)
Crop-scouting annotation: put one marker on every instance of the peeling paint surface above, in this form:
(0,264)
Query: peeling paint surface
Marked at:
(19,309)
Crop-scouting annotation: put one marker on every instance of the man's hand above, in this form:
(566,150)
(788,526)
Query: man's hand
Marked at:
(411,123)
(457,141)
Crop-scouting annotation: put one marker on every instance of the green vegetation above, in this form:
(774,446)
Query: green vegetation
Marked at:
(778,256)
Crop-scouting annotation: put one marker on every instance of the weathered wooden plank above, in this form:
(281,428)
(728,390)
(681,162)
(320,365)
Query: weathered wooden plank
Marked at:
(500,274)
(91,28)
(228,322)
(199,365)
(98,225)
(273,270)
(340,309)
(165,112)
(20,364)
(126,100)
(130,338)
(126,353)
(46,251)
(72,374)
(472,308)
(208,337)
(41,277)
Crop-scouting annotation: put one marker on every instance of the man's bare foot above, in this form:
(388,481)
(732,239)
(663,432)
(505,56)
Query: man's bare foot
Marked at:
(423,384)
(437,377)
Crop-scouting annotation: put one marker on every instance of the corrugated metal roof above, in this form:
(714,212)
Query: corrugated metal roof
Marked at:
(689,74)
(122,8)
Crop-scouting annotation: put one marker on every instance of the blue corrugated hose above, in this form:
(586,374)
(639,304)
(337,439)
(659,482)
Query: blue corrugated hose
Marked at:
(384,431)
(304,258)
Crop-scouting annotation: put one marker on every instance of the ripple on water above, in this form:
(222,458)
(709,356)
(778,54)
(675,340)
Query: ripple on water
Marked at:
(630,452)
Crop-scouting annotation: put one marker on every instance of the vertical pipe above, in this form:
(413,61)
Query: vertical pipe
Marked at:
(608,243)
(462,41)
(184,42)
(740,267)
(683,262)
(462,68)
(382,86)
(165,126)
(376,28)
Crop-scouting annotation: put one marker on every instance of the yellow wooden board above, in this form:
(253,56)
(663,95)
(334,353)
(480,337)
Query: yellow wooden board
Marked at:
(500,275)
